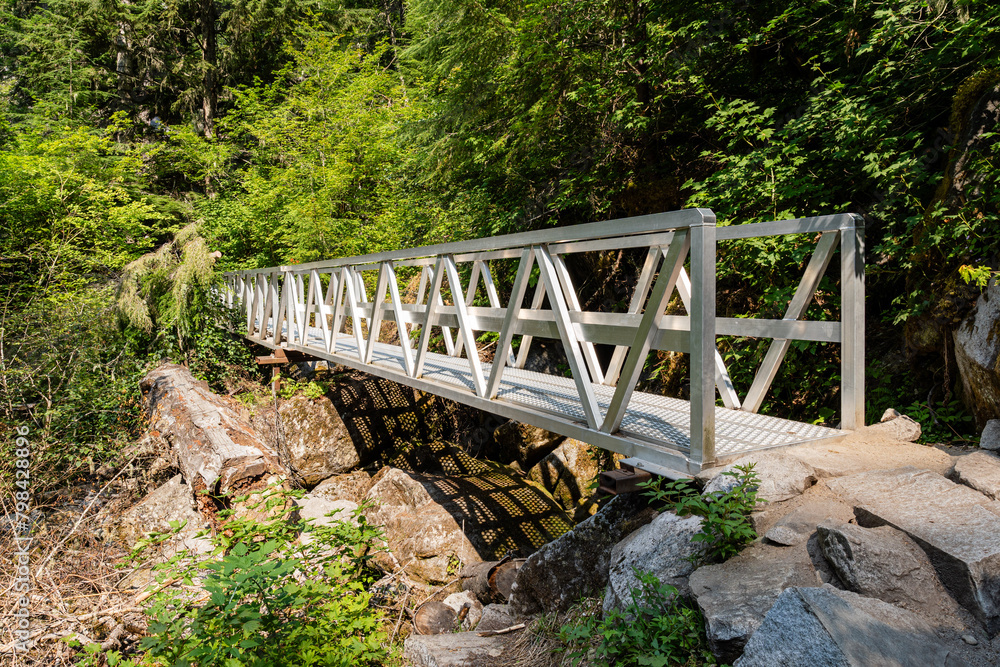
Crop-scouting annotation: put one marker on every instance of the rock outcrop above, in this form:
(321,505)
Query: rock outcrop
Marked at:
(567,473)
(662,547)
(824,627)
(577,563)
(735,596)
(523,443)
(884,563)
(956,526)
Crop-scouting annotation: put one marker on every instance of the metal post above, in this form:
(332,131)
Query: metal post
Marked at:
(852,322)
(703,341)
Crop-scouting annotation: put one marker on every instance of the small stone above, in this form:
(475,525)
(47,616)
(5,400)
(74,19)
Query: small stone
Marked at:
(890,414)
(990,439)
(970,640)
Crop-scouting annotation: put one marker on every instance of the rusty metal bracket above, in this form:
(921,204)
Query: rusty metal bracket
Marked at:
(624,480)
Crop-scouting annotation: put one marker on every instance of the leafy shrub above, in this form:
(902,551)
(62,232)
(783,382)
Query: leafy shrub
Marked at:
(657,628)
(269,597)
(726,526)
(946,423)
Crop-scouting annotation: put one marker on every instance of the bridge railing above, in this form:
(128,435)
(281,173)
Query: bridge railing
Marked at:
(283,304)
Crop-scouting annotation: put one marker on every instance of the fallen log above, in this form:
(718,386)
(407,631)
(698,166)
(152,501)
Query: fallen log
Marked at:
(216,449)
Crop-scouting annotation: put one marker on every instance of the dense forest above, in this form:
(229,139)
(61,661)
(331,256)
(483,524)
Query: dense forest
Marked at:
(146,146)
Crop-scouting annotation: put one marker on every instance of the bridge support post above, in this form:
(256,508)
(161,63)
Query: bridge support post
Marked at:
(852,323)
(703,341)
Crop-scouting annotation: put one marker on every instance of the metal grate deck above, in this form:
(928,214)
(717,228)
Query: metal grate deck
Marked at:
(658,422)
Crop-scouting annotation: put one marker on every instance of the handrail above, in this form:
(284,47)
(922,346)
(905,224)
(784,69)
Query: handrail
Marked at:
(309,306)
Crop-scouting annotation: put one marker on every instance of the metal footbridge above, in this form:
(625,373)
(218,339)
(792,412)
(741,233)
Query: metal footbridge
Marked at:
(430,337)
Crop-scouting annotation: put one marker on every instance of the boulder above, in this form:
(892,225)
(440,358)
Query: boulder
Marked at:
(798,526)
(900,428)
(976,352)
(567,473)
(662,547)
(423,537)
(781,476)
(862,451)
(990,438)
(980,471)
(825,627)
(174,501)
(467,512)
(311,435)
(956,526)
(735,596)
(576,564)
(350,486)
(453,649)
(495,617)
(524,443)
(884,563)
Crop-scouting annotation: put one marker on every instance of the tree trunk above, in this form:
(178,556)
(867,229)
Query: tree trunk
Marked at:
(216,449)
(210,93)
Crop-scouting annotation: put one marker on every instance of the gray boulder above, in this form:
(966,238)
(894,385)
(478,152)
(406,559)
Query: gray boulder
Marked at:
(735,596)
(473,609)
(424,539)
(323,512)
(990,438)
(576,564)
(495,617)
(884,563)
(825,627)
(981,471)
(663,547)
(781,475)
(453,649)
(956,527)
(311,434)
(976,351)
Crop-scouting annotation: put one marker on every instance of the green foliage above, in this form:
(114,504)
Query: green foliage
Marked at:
(948,422)
(726,527)
(269,596)
(980,275)
(657,628)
